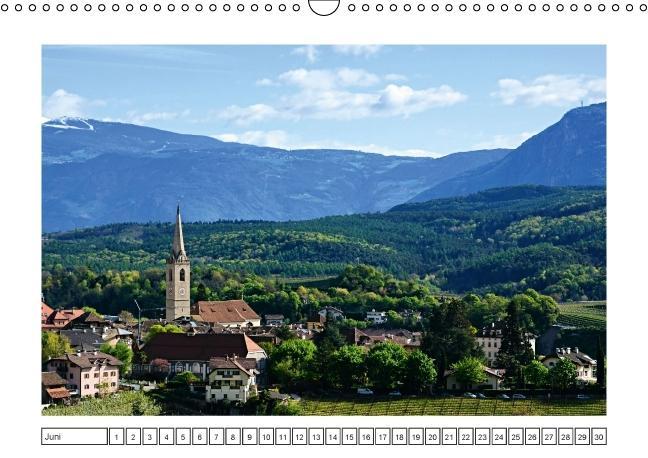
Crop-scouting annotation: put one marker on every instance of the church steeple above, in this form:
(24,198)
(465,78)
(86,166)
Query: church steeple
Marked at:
(178,276)
(178,249)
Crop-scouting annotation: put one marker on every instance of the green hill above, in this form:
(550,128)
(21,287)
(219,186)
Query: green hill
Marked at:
(502,240)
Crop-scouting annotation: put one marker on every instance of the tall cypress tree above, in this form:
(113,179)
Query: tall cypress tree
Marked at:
(515,352)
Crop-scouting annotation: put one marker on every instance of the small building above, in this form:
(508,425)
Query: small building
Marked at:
(54,389)
(82,340)
(87,373)
(58,319)
(274,320)
(188,352)
(585,365)
(377,317)
(329,312)
(231,379)
(315,322)
(494,379)
(489,338)
(236,313)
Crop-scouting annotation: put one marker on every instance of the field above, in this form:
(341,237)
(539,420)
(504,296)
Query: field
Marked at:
(583,314)
(451,406)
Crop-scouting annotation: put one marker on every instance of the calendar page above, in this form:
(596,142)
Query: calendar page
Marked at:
(318,226)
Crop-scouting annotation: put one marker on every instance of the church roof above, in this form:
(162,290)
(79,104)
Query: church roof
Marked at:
(200,347)
(236,311)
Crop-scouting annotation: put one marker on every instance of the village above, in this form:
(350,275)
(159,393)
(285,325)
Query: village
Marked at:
(221,353)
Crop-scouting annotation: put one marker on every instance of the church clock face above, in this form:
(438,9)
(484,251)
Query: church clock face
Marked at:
(181,291)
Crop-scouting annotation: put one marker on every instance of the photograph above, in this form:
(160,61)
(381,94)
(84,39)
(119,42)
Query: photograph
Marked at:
(323,230)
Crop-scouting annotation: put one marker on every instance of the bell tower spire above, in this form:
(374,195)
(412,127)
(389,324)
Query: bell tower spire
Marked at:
(178,249)
(178,275)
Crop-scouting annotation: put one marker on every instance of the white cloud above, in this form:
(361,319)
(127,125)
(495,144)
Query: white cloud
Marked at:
(556,90)
(328,79)
(357,50)
(309,51)
(326,94)
(145,118)
(504,141)
(242,116)
(395,77)
(265,82)
(63,103)
(281,139)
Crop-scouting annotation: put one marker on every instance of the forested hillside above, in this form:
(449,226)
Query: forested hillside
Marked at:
(501,240)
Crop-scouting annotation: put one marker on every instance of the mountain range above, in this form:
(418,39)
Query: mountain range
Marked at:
(97,172)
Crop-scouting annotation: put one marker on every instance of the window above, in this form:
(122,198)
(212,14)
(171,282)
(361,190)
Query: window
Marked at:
(113,373)
(170,274)
(105,374)
(182,275)
(96,375)
(237,396)
(86,387)
(495,344)
(113,384)
(70,375)
(224,396)
(86,375)
(489,344)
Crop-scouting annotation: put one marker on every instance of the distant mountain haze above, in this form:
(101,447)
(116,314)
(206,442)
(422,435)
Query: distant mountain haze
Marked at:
(102,172)
(98,173)
(570,152)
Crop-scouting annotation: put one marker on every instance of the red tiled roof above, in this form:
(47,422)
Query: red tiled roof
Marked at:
(199,347)
(236,311)
(58,393)
(46,311)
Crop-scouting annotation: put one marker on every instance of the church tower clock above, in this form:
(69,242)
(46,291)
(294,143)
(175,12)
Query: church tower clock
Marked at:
(177,276)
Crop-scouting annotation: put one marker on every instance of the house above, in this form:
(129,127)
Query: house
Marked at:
(88,320)
(377,317)
(87,373)
(489,338)
(494,379)
(54,388)
(186,352)
(236,313)
(315,322)
(231,379)
(83,339)
(331,312)
(585,365)
(46,311)
(274,320)
(59,319)
(113,335)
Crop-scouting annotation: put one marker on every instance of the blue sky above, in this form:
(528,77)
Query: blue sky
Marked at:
(406,100)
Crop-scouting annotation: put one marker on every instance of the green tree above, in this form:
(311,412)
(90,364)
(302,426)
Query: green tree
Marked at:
(54,345)
(161,329)
(93,311)
(347,367)
(469,371)
(292,363)
(123,352)
(449,336)
(287,408)
(515,352)
(563,375)
(420,373)
(385,365)
(186,378)
(536,374)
